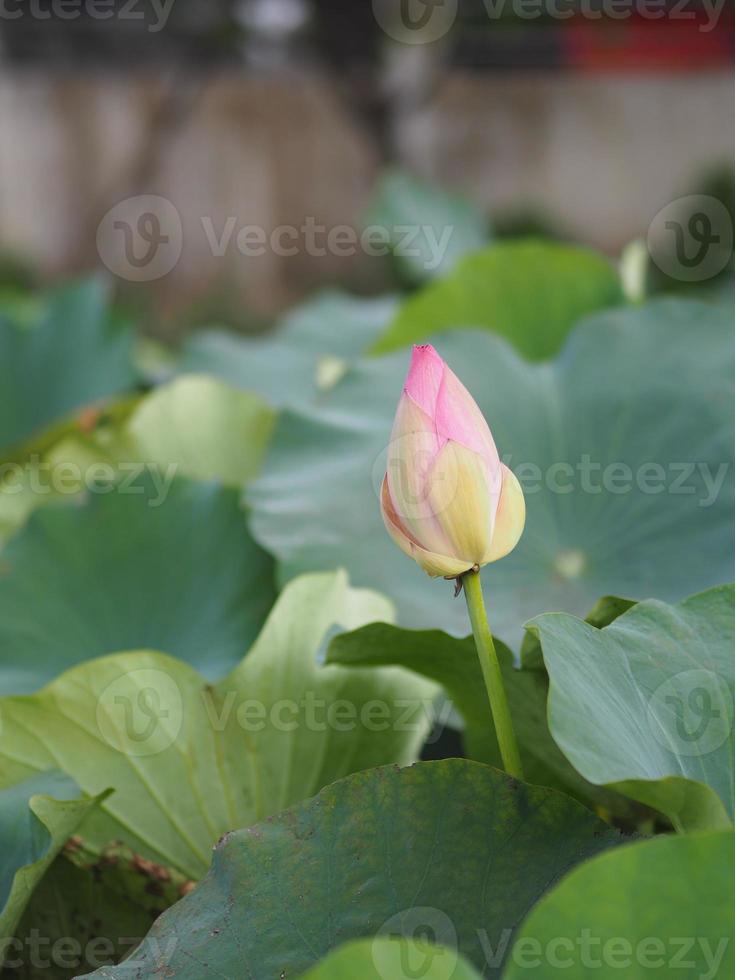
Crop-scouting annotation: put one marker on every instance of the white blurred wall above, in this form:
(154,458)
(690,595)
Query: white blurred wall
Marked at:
(600,154)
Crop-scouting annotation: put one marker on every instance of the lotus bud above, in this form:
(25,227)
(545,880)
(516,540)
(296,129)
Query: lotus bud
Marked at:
(446,499)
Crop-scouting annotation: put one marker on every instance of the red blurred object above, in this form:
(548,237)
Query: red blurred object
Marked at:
(650,45)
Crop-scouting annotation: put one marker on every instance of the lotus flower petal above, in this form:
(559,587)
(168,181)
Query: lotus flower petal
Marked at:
(510,518)
(447,501)
(433,564)
(411,455)
(452,409)
(463,501)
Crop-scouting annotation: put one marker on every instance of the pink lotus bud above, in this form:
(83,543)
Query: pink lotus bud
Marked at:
(446,499)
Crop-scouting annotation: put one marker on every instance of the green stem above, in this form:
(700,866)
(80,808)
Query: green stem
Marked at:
(492,675)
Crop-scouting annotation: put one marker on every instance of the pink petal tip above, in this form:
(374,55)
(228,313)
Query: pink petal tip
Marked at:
(425,377)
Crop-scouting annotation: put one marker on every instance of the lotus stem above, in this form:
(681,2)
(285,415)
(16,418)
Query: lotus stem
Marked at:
(491,673)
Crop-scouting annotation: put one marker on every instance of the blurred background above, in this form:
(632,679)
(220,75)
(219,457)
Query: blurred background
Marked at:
(574,119)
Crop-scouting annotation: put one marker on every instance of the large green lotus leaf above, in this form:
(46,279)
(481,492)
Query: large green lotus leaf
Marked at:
(70,353)
(305,356)
(648,389)
(429,229)
(92,908)
(646,704)
(530,292)
(451,850)
(397,959)
(17,506)
(149,564)
(453,663)
(52,466)
(660,908)
(190,761)
(207,429)
(194,426)
(604,612)
(335,323)
(37,817)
